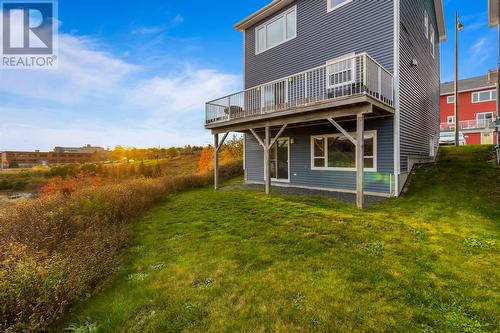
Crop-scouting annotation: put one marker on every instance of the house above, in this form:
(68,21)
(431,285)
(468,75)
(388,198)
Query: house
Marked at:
(494,21)
(477,104)
(340,95)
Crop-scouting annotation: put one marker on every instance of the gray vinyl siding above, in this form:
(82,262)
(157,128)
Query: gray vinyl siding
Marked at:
(300,158)
(419,86)
(359,26)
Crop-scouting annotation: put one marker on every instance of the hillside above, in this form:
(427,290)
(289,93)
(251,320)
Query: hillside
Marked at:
(237,261)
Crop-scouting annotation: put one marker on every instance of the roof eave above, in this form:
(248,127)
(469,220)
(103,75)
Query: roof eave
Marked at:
(276,5)
(261,14)
(493,13)
(438,5)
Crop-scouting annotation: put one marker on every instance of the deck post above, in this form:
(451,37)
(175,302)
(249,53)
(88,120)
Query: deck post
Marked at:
(267,166)
(216,161)
(360,159)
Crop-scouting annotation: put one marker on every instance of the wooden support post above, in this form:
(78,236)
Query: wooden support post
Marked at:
(267,145)
(217,147)
(360,159)
(216,161)
(267,166)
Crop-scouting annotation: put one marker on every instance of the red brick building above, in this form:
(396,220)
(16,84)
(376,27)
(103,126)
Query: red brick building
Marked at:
(60,155)
(477,109)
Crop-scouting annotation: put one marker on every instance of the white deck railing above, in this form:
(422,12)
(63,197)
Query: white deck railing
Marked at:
(467,125)
(347,77)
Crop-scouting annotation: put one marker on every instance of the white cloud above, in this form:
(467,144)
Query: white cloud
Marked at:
(481,51)
(95,97)
(84,72)
(179,95)
(178,19)
(148,30)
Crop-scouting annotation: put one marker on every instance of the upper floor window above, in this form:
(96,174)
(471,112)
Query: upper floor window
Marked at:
(484,96)
(341,71)
(451,119)
(426,24)
(484,117)
(450,99)
(276,31)
(334,4)
(432,38)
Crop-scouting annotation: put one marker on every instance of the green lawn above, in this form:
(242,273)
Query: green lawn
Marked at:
(237,261)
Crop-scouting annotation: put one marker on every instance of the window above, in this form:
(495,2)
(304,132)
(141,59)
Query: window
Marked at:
(432,38)
(426,24)
(276,31)
(274,95)
(341,72)
(484,119)
(451,99)
(451,119)
(336,152)
(334,4)
(484,96)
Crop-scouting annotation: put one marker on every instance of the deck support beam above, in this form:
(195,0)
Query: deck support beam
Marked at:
(267,162)
(342,130)
(217,147)
(267,144)
(359,143)
(360,159)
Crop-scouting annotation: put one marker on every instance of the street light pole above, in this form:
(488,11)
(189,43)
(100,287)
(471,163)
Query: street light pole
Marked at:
(457,141)
(458,27)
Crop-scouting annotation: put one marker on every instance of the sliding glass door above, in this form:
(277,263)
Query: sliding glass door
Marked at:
(279,159)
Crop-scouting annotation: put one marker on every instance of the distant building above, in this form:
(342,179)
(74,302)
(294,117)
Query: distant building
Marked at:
(88,149)
(477,98)
(60,155)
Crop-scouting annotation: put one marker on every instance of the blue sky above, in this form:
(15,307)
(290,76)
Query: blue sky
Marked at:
(138,73)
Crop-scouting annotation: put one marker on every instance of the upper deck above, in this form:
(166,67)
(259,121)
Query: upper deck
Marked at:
(354,79)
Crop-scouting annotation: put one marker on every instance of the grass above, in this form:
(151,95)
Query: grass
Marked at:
(238,261)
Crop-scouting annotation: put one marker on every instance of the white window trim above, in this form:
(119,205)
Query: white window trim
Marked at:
(426,24)
(367,135)
(483,91)
(330,7)
(452,119)
(279,180)
(448,99)
(432,38)
(277,17)
(351,56)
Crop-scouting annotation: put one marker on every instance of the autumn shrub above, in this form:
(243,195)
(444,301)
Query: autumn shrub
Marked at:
(66,186)
(231,151)
(58,248)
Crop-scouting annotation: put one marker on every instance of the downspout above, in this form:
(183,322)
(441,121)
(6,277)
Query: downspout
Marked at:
(397,156)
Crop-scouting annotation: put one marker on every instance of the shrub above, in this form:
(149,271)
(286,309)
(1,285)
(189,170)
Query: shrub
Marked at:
(57,248)
(67,186)
(5,184)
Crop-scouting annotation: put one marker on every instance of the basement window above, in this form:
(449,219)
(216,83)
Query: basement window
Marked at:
(337,152)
